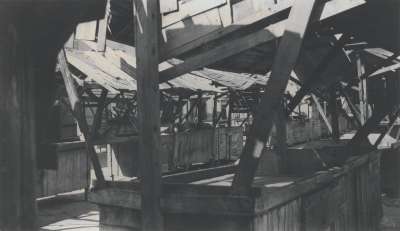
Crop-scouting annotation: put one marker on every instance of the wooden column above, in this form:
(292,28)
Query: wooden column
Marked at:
(284,62)
(281,138)
(17,124)
(147,30)
(362,89)
(334,114)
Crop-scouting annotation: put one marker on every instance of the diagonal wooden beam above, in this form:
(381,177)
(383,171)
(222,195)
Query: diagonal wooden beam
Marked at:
(231,47)
(223,51)
(259,20)
(79,113)
(314,78)
(353,108)
(284,62)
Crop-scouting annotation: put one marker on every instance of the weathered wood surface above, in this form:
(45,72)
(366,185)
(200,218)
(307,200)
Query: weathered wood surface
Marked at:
(180,150)
(284,63)
(71,172)
(199,22)
(18,145)
(147,29)
(342,198)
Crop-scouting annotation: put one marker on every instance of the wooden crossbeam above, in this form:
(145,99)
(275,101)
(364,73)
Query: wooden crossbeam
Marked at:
(227,49)
(257,21)
(284,62)
(393,119)
(147,30)
(355,144)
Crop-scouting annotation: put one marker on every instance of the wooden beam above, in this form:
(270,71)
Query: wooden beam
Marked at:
(79,114)
(315,77)
(258,20)
(353,108)
(102,29)
(334,114)
(17,125)
(321,112)
(362,85)
(281,138)
(225,50)
(357,143)
(393,119)
(147,30)
(284,62)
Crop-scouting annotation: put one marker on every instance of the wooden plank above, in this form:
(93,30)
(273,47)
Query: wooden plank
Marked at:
(223,51)
(188,8)
(102,30)
(86,30)
(250,19)
(284,62)
(167,6)
(321,112)
(147,30)
(190,29)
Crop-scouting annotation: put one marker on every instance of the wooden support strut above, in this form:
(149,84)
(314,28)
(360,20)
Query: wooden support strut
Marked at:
(310,81)
(334,114)
(321,112)
(285,60)
(353,108)
(79,113)
(147,31)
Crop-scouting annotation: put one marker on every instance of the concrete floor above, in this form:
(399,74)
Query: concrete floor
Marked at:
(68,213)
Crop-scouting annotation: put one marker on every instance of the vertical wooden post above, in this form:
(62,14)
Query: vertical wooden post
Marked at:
(284,62)
(215,110)
(362,89)
(17,124)
(102,30)
(230,104)
(322,112)
(281,138)
(334,114)
(147,30)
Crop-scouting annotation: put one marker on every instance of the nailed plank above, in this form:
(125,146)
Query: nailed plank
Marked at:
(284,62)
(147,30)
